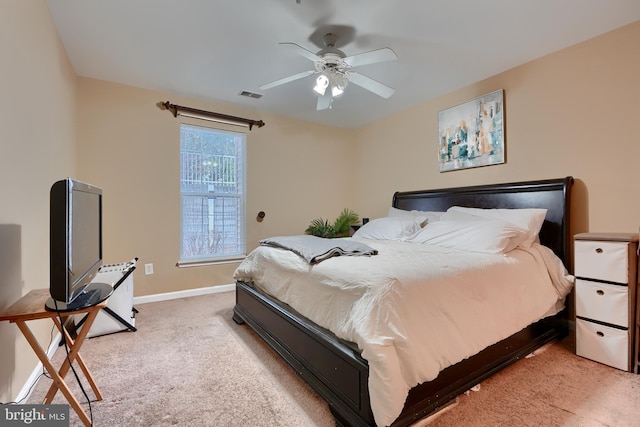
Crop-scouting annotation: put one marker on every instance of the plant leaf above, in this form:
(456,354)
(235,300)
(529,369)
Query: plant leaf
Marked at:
(346,219)
(322,228)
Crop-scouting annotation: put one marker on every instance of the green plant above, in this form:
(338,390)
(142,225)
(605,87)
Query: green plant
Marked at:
(322,228)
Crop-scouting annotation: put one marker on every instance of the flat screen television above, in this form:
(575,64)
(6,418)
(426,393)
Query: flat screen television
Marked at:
(75,246)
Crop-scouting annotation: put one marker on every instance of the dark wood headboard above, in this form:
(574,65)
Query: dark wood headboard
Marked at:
(553,195)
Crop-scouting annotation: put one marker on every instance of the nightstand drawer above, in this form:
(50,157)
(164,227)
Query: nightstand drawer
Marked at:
(602,260)
(603,344)
(602,301)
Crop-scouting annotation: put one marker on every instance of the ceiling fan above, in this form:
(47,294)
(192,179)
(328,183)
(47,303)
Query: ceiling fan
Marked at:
(334,70)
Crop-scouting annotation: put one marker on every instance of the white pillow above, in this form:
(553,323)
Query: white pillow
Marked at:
(424,216)
(389,228)
(529,219)
(475,234)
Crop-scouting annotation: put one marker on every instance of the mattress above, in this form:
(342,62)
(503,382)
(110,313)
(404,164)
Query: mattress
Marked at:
(414,309)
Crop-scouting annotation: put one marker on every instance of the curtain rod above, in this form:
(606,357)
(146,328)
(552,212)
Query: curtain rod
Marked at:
(179,110)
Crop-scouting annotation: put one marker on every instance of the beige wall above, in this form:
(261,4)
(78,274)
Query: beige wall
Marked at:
(37,147)
(574,112)
(128,146)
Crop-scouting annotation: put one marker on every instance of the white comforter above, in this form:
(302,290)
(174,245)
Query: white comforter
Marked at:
(414,309)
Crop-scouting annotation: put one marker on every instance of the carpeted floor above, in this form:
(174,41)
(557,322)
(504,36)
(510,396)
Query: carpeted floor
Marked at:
(189,364)
(553,388)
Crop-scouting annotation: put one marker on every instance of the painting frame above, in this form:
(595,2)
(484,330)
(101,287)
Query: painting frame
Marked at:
(471,134)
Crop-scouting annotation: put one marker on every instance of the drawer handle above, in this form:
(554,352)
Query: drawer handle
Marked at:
(599,250)
(600,334)
(600,292)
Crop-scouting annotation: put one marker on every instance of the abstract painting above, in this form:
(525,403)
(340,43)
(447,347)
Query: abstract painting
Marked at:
(472,134)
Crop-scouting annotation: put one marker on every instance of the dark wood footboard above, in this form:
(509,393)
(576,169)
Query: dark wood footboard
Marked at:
(335,370)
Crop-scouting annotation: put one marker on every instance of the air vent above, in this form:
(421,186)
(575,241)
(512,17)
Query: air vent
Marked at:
(251,94)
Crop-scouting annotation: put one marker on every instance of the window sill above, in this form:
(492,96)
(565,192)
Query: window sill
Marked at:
(206,262)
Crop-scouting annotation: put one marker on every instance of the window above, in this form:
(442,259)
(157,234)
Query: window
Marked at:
(212,164)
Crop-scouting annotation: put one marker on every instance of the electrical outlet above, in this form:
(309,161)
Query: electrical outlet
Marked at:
(148,269)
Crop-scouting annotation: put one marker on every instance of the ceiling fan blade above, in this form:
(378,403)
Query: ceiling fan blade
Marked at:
(371,85)
(324,101)
(373,56)
(287,79)
(301,51)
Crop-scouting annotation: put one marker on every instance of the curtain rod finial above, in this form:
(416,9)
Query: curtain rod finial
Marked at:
(168,106)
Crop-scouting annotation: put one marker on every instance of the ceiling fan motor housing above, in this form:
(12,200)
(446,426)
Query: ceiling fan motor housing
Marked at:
(332,61)
(332,56)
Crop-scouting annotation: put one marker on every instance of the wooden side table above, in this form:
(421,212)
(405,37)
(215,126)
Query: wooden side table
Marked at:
(32,307)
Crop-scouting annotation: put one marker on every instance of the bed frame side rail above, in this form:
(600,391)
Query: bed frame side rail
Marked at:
(332,368)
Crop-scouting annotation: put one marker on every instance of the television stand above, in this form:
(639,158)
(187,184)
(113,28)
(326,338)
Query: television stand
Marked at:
(32,307)
(93,294)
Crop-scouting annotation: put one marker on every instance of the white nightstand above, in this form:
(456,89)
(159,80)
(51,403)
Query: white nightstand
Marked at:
(606,291)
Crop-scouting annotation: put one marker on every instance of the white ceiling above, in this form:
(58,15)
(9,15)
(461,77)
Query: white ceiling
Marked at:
(213,49)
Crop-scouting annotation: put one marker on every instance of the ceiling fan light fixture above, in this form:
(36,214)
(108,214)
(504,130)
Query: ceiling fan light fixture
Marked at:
(339,82)
(322,82)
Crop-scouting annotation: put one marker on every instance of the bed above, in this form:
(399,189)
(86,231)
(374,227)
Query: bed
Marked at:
(336,368)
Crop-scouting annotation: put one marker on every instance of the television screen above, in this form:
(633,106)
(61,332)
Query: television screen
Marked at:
(86,245)
(75,239)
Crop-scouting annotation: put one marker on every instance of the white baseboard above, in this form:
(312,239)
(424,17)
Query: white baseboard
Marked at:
(183,294)
(31,382)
